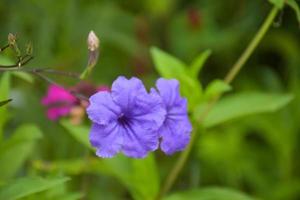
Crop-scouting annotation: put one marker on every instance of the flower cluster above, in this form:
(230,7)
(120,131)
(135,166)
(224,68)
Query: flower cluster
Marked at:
(128,119)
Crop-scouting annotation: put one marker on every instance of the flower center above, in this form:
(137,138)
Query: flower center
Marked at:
(122,119)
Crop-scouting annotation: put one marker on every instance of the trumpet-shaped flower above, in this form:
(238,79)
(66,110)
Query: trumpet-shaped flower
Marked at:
(126,119)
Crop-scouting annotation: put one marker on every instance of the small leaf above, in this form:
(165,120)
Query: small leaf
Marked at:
(145,178)
(24,76)
(78,132)
(211,193)
(15,150)
(243,104)
(24,187)
(167,65)
(293,4)
(198,63)
(215,88)
(278,3)
(2,103)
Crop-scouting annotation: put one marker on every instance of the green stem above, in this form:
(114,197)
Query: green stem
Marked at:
(228,79)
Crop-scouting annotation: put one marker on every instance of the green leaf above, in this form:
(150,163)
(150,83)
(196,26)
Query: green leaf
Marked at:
(293,4)
(2,103)
(24,76)
(78,132)
(242,104)
(4,94)
(167,65)
(170,67)
(278,3)
(140,176)
(215,88)
(4,60)
(15,150)
(24,187)
(198,63)
(145,178)
(211,193)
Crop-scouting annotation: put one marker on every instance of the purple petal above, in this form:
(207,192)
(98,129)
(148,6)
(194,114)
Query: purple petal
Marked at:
(138,141)
(149,111)
(169,91)
(107,139)
(175,134)
(124,92)
(102,109)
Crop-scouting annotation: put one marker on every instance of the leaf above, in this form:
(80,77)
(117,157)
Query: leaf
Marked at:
(170,67)
(167,65)
(4,94)
(4,60)
(145,178)
(243,104)
(278,3)
(293,4)
(140,176)
(78,132)
(24,76)
(24,187)
(215,88)
(198,63)
(211,193)
(2,103)
(15,150)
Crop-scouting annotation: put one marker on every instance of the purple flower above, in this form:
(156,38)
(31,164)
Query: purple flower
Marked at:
(176,129)
(126,119)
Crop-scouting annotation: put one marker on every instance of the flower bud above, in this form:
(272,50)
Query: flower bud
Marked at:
(93,41)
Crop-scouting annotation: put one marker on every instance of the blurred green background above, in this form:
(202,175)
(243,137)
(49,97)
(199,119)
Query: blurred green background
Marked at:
(257,155)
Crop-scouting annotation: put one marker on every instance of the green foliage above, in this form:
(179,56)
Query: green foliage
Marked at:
(216,88)
(243,104)
(15,150)
(278,3)
(24,187)
(79,133)
(293,4)
(212,193)
(249,142)
(4,94)
(24,76)
(198,63)
(170,67)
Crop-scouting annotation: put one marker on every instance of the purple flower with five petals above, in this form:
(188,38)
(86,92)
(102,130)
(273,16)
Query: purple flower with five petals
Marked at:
(176,129)
(126,119)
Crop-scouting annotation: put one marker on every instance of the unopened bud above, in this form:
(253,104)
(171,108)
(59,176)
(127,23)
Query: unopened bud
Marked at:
(93,41)
(11,39)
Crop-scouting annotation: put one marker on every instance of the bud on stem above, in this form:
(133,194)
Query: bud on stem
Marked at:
(93,47)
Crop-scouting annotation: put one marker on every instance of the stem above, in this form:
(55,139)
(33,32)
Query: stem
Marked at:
(228,79)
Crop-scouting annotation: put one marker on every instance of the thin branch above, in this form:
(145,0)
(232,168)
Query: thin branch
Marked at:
(3,48)
(49,80)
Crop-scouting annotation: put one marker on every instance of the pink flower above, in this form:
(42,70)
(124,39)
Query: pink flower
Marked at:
(58,101)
